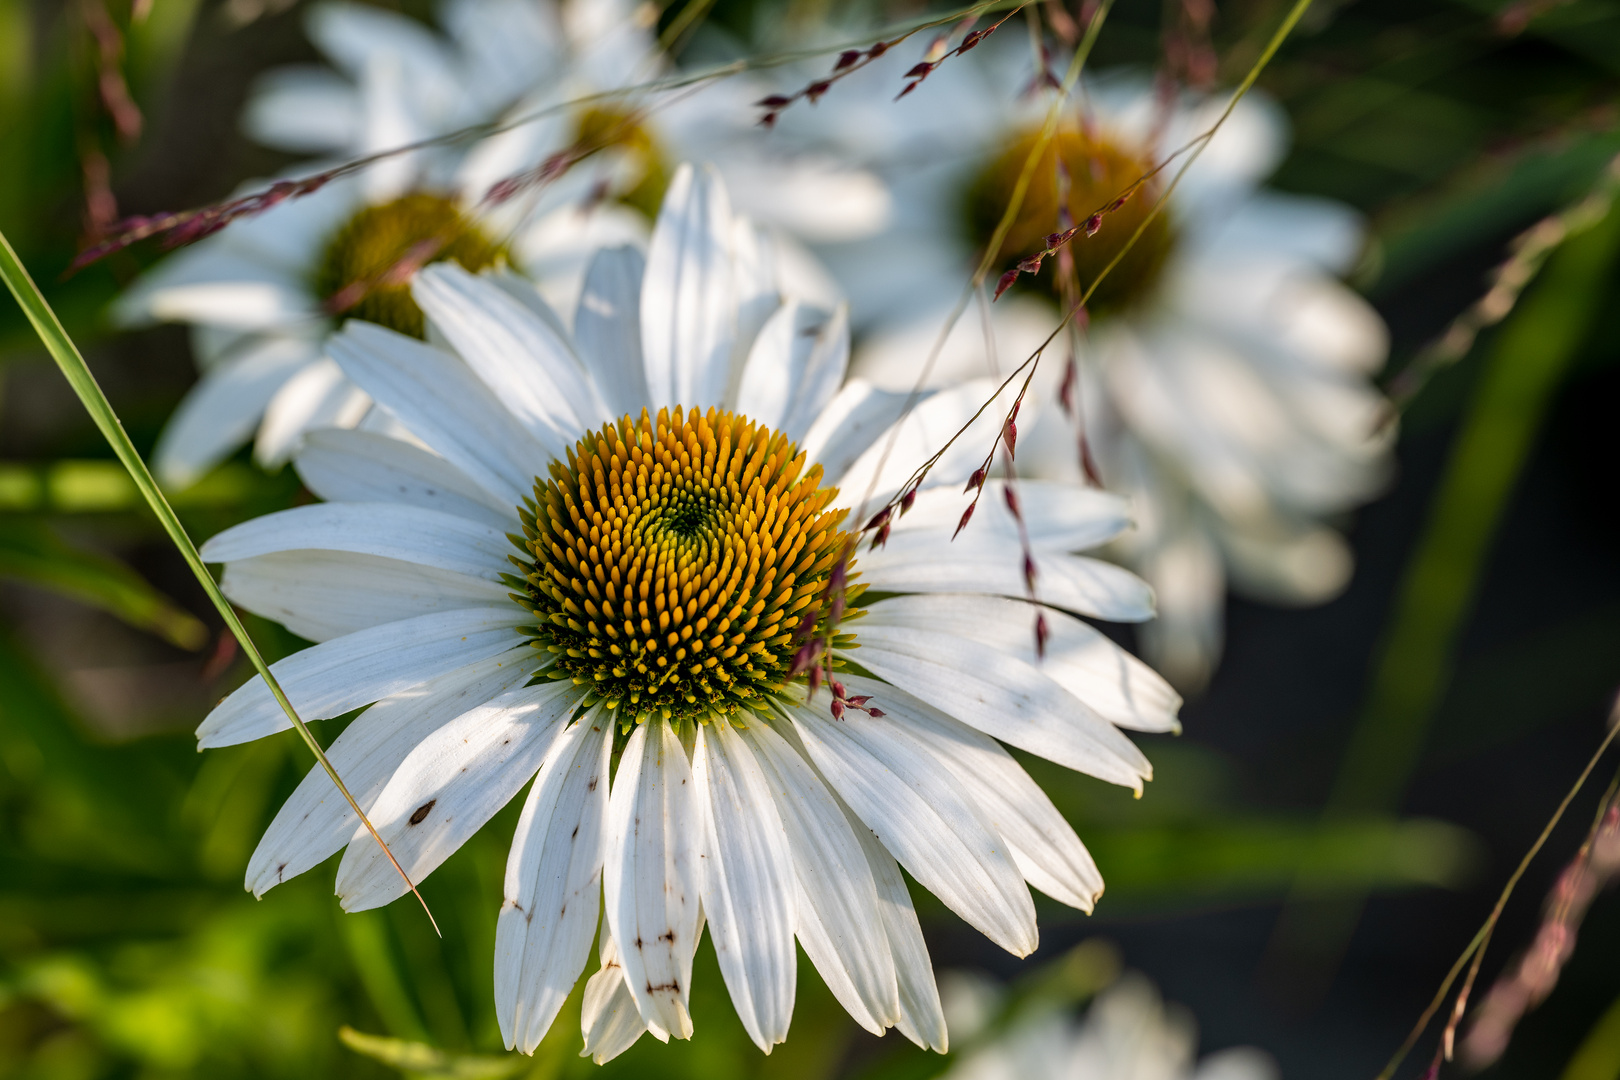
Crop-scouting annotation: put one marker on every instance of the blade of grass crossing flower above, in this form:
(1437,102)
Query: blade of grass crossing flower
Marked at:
(1526,361)
(67,357)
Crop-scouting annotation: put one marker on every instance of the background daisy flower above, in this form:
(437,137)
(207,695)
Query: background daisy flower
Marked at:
(262,295)
(671,562)
(1126,1033)
(1224,382)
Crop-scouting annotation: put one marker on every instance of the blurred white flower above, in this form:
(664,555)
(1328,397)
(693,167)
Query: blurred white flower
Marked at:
(258,295)
(262,295)
(672,558)
(554,72)
(1224,383)
(1127,1034)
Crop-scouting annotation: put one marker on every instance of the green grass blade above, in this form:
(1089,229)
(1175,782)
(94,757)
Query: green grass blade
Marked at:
(67,357)
(1598,1057)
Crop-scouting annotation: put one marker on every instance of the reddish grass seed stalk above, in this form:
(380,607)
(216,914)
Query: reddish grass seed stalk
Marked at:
(1529,253)
(850,61)
(179,228)
(110,82)
(1476,948)
(1529,981)
(1010,212)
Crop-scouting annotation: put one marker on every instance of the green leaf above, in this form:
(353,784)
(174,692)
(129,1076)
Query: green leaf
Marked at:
(420,1059)
(1259,857)
(1598,1056)
(33,554)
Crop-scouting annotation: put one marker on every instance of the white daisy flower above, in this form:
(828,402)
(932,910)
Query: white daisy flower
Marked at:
(259,294)
(1224,381)
(262,295)
(529,60)
(1126,1034)
(491,53)
(676,475)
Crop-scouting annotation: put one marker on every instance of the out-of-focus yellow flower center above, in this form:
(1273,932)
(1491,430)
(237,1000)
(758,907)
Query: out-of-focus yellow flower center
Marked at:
(1100,170)
(367,264)
(672,563)
(649,172)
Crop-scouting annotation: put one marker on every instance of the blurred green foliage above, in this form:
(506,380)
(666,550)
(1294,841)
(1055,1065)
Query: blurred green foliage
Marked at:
(127,947)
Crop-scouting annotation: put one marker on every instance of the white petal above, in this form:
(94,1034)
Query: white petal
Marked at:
(688,307)
(1047,851)
(220,412)
(523,361)
(821,199)
(839,921)
(1111,681)
(553,883)
(824,368)
(435,396)
(607,1017)
(316,821)
(222,286)
(1326,233)
(1291,564)
(852,420)
(318,396)
(757,295)
(749,893)
(304,109)
(1074,582)
(1002,696)
(389,530)
(651,874)
(922,1018)
(456,779)
(362,467)
(351,34)
(321,595)
(527,293)
(892,458)
(771,374)
(503,43)
(1057,517)
(794,368)
(893,783)
(1185,640)
(345,673)
(607,328)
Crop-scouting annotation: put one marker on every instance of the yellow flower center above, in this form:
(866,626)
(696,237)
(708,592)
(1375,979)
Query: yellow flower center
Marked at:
(676,566)
(366,267)
(1100,170)
(649,170)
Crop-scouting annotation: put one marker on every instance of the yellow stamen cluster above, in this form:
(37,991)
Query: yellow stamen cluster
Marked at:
(675,564)
(1100,169)
(367,260)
